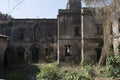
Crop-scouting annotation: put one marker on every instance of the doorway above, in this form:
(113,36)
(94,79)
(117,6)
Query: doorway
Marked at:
(21,54)
(35,53)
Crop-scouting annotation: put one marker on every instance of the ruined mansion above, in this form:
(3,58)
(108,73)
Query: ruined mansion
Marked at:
(36,40)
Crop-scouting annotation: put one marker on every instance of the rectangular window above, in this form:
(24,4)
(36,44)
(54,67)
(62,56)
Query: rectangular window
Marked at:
(49,32)
(21,35)
(67,50)
(99,29)
(77,31)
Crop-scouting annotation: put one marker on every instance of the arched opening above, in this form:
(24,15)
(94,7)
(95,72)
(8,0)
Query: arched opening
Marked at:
(35,53)
(21,55)
(9,56)
(6,61)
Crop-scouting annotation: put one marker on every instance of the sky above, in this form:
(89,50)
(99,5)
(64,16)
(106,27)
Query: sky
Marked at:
(32,8)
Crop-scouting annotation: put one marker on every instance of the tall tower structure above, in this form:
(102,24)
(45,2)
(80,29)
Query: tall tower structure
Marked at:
(74,4)
(69,31)
(70,38)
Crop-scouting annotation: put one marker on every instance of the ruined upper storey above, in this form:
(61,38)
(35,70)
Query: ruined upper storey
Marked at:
(74,4)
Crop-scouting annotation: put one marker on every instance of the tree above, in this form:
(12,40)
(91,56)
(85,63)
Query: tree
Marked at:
(4,17)
(105,12)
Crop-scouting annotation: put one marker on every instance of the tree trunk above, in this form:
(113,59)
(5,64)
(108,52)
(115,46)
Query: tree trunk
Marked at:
(106,46)
(115,37)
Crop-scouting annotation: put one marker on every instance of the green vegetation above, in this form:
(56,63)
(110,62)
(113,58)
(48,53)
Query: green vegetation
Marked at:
(112,68)
(53,71)
(74,75)
(49,72)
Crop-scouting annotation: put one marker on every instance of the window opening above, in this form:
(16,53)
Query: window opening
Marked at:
(67,50)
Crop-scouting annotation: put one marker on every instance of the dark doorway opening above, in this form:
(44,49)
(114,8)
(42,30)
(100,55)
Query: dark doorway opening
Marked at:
(21,55)
(5,63)
(35,54)
(35,50)
(99,50)
(9,56)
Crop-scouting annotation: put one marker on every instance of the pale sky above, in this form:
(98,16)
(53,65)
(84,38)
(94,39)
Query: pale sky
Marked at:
(32,8)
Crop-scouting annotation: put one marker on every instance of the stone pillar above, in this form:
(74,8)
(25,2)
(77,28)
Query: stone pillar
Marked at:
(115,37)
(82,37)
(58,42)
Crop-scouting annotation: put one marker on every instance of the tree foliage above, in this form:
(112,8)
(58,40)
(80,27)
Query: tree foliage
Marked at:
(4,17)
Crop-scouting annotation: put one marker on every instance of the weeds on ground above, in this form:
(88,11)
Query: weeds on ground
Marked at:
(85,71)
(112,68)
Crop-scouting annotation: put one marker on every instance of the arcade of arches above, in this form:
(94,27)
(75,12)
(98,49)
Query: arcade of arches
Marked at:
(34,54)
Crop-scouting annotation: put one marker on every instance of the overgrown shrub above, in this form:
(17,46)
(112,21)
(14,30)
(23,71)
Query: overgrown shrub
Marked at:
(50,72)
(112,67)
(73,75)
(87,72)
(51,57)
